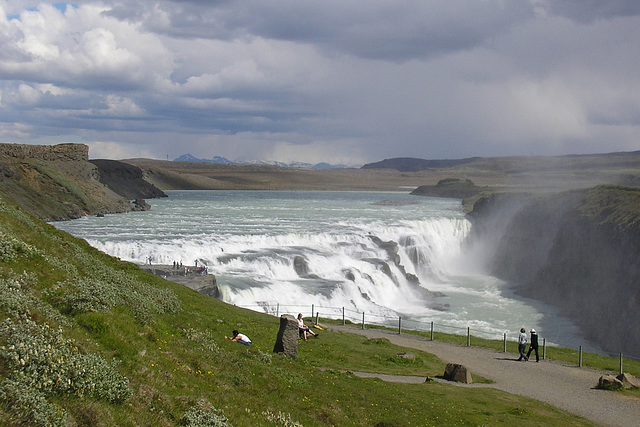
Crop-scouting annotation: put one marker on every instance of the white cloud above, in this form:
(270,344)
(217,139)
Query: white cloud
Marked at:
(284,79)
(117,150)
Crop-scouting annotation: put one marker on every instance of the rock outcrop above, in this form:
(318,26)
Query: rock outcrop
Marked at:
(578,251)
(58,182)
(609,382)
(126,180)
(49,153)
(458,373)
(287,338)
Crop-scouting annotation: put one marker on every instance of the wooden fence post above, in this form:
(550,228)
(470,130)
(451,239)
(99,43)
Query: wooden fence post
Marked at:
(621,367)
(580,358)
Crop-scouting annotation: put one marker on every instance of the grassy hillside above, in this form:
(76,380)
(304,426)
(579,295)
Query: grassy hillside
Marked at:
(86,339)
(57,190)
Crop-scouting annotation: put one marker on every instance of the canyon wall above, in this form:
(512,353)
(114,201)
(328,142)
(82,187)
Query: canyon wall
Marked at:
(578,251)
(58,182)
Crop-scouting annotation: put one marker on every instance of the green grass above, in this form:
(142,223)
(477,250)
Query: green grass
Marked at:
(560,354)
(169,347)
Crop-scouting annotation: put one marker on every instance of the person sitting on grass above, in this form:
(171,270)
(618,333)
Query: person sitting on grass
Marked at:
(239,338)
(303,329)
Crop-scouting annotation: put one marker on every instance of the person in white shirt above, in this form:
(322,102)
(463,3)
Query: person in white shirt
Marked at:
(239,338)
(522,344)
(303,329)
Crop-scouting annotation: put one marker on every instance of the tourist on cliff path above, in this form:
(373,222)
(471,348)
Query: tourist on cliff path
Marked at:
(533,345)
(522,344)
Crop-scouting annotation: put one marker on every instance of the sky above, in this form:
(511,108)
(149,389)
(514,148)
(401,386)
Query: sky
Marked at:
(342,82)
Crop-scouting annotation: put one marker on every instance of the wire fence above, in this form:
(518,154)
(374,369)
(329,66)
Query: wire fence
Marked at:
(363,319)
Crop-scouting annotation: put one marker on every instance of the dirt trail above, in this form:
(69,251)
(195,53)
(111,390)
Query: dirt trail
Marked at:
(566,387)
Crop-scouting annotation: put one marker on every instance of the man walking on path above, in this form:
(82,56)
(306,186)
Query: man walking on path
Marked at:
(522,344)
(533,345)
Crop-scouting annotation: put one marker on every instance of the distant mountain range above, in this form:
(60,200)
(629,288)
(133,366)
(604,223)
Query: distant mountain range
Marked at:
(410,164)
(225,161)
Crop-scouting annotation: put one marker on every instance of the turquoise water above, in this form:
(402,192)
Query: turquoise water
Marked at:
(278,252)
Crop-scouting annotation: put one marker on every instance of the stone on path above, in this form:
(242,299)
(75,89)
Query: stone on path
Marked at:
(629,381)
(287,339)
(458,373)
(609,382)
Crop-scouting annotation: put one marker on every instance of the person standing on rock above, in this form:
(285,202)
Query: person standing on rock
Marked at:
(533,345)
(522,344)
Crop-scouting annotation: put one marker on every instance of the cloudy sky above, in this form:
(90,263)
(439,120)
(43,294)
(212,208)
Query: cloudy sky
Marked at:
(322,81)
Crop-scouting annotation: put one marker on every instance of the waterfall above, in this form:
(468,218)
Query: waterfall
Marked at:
(331,249)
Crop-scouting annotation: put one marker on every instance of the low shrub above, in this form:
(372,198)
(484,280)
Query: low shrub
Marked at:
(41,362)
(27,406)
(204,415)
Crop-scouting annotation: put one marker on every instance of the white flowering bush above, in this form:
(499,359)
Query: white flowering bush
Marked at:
(204,339)
(8,250)
(103,288)
(204,415)
(280,418)
(264,357)
(91,284)
(91,294)
(11,247)
(16,300)
(30,407)
(42,362)
(12,298)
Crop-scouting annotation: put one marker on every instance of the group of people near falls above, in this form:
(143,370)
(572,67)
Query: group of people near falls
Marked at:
(303,331)
(522,345)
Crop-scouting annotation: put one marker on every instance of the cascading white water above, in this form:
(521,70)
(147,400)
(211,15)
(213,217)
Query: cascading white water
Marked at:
(329,249)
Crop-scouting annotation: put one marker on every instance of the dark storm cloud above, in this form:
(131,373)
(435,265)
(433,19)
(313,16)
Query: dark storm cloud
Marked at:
(592,10)
(335,81)
(392,29)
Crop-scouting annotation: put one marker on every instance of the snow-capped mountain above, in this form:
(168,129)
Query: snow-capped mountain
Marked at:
(223,160)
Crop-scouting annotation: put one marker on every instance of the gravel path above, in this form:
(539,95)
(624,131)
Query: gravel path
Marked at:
(566,387)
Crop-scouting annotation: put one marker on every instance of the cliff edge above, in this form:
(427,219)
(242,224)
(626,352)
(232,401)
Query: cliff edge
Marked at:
(578,251)
(58,182)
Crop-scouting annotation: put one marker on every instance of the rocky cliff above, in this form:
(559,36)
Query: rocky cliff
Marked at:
(60,152)
(126,180)
(578,251)
(58,182)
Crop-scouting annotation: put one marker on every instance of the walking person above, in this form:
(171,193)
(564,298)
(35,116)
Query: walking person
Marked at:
(522,344)
(533,345)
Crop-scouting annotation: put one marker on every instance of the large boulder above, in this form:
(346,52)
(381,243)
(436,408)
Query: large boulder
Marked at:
(287,339)
(629,381)
(457,373)
(609,382)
